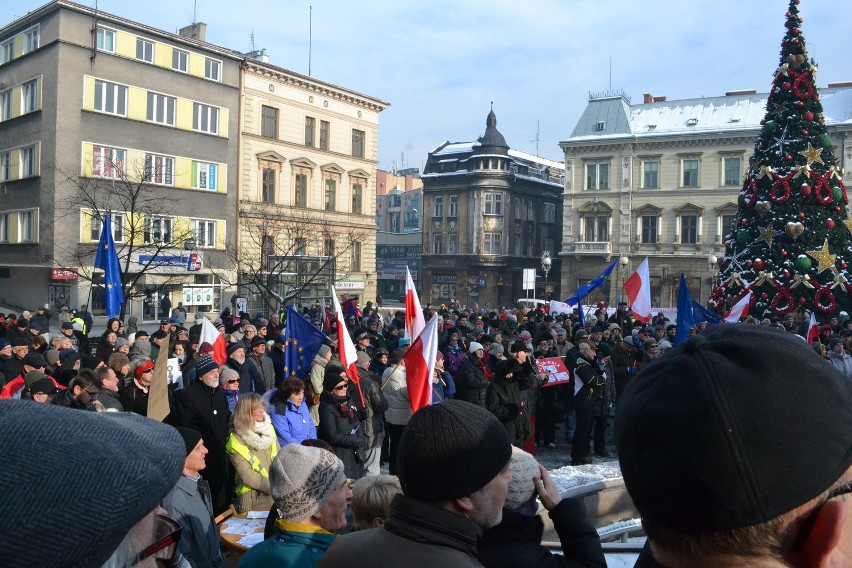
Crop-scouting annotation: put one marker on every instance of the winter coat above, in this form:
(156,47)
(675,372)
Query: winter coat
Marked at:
(251,453)
(587,383)
(503,400)
(263,371)
(340,427)
(189,504)
(376,405)
(842,362)
(605,396)
(622,357)
(110,400)
(395,388)
(516,541)
(315,377)
(292,546)
(293,424)
(471,382)
(415,534)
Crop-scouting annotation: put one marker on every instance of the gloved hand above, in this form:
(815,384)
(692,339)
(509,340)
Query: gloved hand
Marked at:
(513,410)
(631,370)
(637,343)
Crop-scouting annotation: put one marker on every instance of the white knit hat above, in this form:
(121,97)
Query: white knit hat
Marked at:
(302,478)
(523,467)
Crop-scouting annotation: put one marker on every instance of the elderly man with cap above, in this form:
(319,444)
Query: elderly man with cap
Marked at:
(98,492)
(189,504)
(720,480)
(588,382)
(473,376)
(15,365)
(16,387)
(276,355)
(454,473)
(838,357)
(311,494)
(237,361)
(40,387)
(203,407)
(262,369)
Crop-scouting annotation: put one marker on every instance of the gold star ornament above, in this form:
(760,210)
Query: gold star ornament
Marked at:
(825,260)
(812,155)
(766,234)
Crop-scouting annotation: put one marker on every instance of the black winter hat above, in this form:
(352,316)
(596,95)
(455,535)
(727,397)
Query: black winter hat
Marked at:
(704,438)
(450,450)
(332,377)
(190,437)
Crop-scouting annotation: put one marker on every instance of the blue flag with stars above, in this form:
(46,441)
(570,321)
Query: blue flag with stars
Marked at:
(302,343)
(107,260)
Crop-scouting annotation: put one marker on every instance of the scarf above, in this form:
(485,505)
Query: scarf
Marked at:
(261,437)
(485,370)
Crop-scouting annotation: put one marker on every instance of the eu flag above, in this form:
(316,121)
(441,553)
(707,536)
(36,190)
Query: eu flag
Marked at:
(303,342)
(685,317)
(593,284)
(107,260)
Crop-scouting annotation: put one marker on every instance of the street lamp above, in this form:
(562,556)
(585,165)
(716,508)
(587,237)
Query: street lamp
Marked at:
(623,262)
(711,261)
(546,263)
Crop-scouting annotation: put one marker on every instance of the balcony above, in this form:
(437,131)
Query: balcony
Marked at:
(597,248)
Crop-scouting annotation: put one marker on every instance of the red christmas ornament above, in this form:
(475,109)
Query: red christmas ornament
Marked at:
(843,265)
(829,224)
(796,2)
(795,41)
(801,214)
(786,273)
(764,296)
(795,31)
(788,157)
(786,85)
(762,122)
(787,14)
(837,209)
(804,132)
(743,222)
(802,300)
(799,103)
(784,252)
(758,264)
(809,116)
(750,264)
(805,189)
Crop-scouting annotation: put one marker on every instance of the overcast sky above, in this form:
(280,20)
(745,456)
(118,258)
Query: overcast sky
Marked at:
(440,63)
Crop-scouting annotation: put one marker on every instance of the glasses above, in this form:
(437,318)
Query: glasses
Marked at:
(151,370)
(233,381)
(165,547)
(93,394)
(340,387)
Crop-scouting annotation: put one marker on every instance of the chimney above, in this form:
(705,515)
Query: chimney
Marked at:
(197,30)
(647,98)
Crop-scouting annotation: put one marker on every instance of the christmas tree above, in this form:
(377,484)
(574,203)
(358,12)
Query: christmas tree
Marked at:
(790,245)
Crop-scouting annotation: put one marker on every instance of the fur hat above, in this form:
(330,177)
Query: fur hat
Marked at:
(302,478)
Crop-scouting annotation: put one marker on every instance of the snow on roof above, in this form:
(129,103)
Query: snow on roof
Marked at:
(836,105)
(530,158)
(455,148)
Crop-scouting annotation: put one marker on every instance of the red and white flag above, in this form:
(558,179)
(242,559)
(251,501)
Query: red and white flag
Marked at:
(414,320)
(346,349)
(813,330)
(420,366)
(211,335)
(638,289)
(740,309)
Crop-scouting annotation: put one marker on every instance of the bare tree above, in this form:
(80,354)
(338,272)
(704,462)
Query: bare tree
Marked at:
(143,216)
(286,253)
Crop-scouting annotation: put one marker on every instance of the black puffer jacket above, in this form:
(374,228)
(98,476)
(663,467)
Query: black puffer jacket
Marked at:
(471,382)
(516,541)
(340,426)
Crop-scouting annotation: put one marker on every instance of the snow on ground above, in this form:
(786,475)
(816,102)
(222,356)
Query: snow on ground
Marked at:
(569,477)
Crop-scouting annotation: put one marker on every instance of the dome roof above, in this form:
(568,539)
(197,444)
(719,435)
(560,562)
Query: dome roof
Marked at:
(492,140)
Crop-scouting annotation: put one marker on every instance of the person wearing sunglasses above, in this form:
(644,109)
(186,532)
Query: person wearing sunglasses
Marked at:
(339,423)
(736,448)
(82,393)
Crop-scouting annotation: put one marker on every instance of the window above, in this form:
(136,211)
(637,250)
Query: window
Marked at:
(330,194)
(28,161)
(5,105)
(325,131)
(357,143)
(205,176)
(493,203)
(158,230)
(268,185)
(269,122)
(549,212)
(309,131)
(161,109)
(518,205)
(106,39)
(453,244)
(108,162)
(438,207)
(437,244)
(690,172)
(597,228)
(530,211)
(144,50)
(4,228)
(355,264)
(394,201)
(26,219)
(180,60)
(29,98)
(328,247)
(8,51)
(491,243)
(205,234)
(205,118)
(597,175)
(159,169)
(301,196)
(650,174)
(394,222)
(5,165)
(688,229)
(728,222)
(300,246)
(649,229)
(212,69)
(357,197)
(733,174)
(110,98)
(31,40)
(117,227)
(453,210)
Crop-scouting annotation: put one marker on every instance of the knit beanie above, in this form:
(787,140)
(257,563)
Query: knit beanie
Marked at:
(141,368)
(363,360)
(450,450)
(302,478)
(324,350)
(332,378)
(523,467)
(190,438)
(227,374)
(129,461)
(205,348)
(234,346)
(204,365)
(51,356)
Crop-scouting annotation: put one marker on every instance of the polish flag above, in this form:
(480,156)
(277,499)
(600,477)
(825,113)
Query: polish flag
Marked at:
(345,347)
(414,320)
(638,289)
(740,309)
(211,335)
(813,330)
(420,366)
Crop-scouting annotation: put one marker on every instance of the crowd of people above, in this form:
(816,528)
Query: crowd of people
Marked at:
(256,439)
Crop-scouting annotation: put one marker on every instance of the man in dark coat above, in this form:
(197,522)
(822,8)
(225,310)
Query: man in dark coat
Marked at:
(587,382)
(203,407)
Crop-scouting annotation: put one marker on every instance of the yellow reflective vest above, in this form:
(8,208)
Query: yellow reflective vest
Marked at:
(236,447)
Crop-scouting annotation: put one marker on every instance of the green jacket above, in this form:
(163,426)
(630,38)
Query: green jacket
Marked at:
(292,546)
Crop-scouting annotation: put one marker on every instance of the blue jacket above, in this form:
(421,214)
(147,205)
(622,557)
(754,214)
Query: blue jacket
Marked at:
(292,546)
(294,425)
